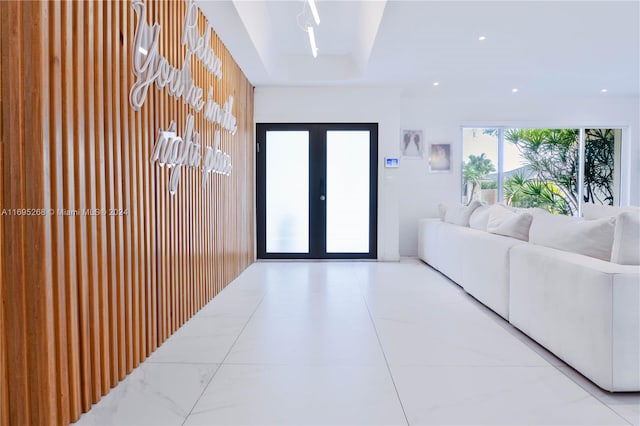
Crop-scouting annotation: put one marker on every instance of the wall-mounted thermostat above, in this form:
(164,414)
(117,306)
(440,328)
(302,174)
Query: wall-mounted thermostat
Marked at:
(391,162)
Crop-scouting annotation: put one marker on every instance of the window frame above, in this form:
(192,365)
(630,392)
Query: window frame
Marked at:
(624,156)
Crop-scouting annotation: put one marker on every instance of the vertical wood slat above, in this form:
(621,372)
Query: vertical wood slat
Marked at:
(92,289)
(79,183)
(37,229)
(15,337)
(56,178)
(104,290)
(4,401)
(116,365)
(69,234)
(117,202)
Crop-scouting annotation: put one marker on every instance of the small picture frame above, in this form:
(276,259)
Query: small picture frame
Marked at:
(440,158)
(412,143)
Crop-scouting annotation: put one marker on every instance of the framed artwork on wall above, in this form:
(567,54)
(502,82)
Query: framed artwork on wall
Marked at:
(412,143)
(439,157)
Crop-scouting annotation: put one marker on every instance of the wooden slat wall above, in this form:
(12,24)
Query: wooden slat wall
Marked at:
(4,401)
(85,299)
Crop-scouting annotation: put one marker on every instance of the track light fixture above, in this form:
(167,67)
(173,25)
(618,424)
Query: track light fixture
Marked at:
(312,42)
(306,23)
(314,11)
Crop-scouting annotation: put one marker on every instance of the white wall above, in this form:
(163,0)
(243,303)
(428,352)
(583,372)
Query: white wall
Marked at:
(442,120)
(335,105)
(411,192)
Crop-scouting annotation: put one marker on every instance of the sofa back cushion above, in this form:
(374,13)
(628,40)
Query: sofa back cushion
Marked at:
(480,217)
(442,211)
(597,211)
(626,239)
(503,221)
(457,214)
(592,238)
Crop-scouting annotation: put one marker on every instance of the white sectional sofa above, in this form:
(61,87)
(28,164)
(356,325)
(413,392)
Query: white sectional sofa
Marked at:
(471,258)
(584,309)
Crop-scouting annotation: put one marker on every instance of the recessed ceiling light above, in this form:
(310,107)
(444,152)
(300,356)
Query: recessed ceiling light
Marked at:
(482,38)
(604,90)
(436,83)
(514,90)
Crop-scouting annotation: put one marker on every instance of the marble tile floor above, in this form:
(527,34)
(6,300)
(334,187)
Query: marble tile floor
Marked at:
(354,343)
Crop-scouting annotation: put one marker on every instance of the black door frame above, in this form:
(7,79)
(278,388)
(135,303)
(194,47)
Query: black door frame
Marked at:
(317,187)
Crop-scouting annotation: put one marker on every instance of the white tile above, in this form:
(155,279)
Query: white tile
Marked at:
(203,339)
(528,341)
(303,300)
(406,295)
(497,396)
(234,301)
(629,408)
(307,352)
(153,394)
(452,335)
(626,404)
(305,340)
(301,395)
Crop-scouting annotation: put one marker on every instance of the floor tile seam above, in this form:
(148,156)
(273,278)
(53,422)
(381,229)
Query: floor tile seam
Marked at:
(395,387)
(309,364)
(540,350)
(588,391)
(182,362)
(204,389)
(225,316)
(431,303)
(435,365)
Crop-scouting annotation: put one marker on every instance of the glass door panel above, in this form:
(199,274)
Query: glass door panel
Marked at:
(348,189)
(287,192)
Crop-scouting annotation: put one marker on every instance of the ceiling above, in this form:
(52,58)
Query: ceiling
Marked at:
(542,48)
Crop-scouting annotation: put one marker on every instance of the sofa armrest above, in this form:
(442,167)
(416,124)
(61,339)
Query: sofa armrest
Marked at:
(585,310)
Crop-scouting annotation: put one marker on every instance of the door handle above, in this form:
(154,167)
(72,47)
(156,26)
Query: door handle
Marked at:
(323,190)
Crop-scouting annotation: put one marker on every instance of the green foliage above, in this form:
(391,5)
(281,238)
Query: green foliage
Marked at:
(492,132)
(476,170)
(490,184)
(522,192)
(552,154)
(598,166)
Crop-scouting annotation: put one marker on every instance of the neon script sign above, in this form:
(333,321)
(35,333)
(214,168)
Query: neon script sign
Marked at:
(150,67)
(175,151)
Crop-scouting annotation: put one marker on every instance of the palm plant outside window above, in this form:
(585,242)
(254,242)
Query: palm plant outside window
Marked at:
(541,167)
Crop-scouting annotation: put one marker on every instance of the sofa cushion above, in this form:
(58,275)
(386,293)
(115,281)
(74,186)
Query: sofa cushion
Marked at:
(484,262)
(626,239)
(479,218)
(597,211)
(503,221)
(428,240)
(592,238)
(457,214)
(442,211)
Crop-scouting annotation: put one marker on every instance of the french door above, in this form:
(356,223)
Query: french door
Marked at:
(317,191)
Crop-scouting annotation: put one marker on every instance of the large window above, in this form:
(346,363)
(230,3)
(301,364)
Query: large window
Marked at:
(555,169)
